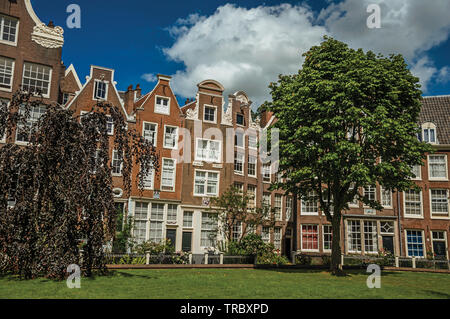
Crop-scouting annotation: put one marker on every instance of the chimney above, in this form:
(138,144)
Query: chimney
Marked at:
(266,115)
(129,100)
(138,91)
(162,78)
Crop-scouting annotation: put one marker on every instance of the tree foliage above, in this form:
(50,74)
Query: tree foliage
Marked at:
(347,120)
(232,207)
(56,191)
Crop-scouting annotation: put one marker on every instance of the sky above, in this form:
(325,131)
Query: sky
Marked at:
(244,45)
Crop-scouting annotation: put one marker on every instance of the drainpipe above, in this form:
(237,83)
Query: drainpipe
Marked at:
(399,223)
(295,220)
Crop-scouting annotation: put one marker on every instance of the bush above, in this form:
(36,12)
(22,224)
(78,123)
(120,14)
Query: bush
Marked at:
(303,259)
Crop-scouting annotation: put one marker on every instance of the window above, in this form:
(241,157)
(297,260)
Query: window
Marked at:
(168,175)
(417,171)
(387,227)
(65,98)
(8,29)
(116,163)
(237,231)
(36,79)
(310,204)
(370,193)
(187,219)
(210,114)
(355,201)
(252,165)
(265,234)
(6,73)
(171,137)
(100,90)
(206,183)
(327,237)
(370,237)
(415,244)
(277,238)
(354,236)
(140,221)
(278,200)
(310,237)
(439,202)
(386,197)
(208,150)
(149,132)
(239,139)
(149,179)
(251,193)
(429,133)
(209,225)
(172,212)
(289,203)
(24,131)
(239,119)
(239,187)
(413,203)
(252,141)
(266,199)
(162,105)
(3,103)
(439,244)
(109,125)
(156,223)
(266,173)
(238,162)
(437,166)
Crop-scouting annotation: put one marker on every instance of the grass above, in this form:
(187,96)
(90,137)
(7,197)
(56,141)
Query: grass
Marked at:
(232,283)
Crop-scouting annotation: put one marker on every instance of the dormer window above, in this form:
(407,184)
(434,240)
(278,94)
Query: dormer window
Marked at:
(100,90)
(240,119)
(429,133)
(8,29)
(210,114)
(162,105)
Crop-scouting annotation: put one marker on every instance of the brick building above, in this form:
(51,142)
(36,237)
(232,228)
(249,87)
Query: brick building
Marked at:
(205,146)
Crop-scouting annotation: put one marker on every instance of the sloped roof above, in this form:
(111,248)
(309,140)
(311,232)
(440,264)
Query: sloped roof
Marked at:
(436,109)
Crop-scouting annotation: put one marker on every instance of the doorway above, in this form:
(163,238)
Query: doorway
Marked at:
(172,236)
(186,243)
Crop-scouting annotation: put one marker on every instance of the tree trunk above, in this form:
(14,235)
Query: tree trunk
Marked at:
(336,266)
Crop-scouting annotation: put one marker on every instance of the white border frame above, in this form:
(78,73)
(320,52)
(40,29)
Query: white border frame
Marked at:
(50,78)
(443,179)
(318,238)
(215,113)
(439,216)
(176,138)
(208,160)
(174,175)
(206,184)
(14,44)
(424,246)
(421,207)
(156,131)
(12,74)
(168,105)
(94,93)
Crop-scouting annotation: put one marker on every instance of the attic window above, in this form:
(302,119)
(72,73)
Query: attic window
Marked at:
(100,90)
(162,105)
(239,119)
(429,133)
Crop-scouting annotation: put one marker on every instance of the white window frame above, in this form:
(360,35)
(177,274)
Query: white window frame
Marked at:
(141,220)
(243,117)
(176,137)
(94,91)
(208,159)
(156,131)
(255,163)
(382,189)
(173,177)
(263,169)
(446,168)
(280,211)
(159,221)
(204,113)
(159,110)
(3,138)
(424,247)
(13,68)
(49,78)
(323,237)
(421,207)
(29,122)
(253,200)
(207,230)
(444,240)
(190,220)
(348,239)
(439,215)
(417,178)
(303,211)
(288,207)
(277,238)
(239,157)
(151,173)
(256,141)
(236,139)
(2,25)
(206,183)
(429,127)
(301,237)
(112,165)
(374,192)
(265,235)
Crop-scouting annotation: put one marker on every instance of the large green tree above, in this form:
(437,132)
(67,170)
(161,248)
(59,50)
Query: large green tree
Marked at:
(346,121)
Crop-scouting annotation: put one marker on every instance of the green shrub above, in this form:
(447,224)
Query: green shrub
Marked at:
(303,259)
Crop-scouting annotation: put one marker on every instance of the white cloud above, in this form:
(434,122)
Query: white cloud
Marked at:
(246,49)
(149,77)
(444,75)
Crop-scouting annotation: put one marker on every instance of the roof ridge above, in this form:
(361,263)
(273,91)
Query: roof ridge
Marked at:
(431,96)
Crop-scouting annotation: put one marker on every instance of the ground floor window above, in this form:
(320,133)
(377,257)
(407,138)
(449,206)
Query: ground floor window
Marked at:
(140,221)
(310,237)
(370,237)
(265,234)
(237,231)
(414,241)
(439,244)
(354,235)
(327,237)
(209,224)
(277,238)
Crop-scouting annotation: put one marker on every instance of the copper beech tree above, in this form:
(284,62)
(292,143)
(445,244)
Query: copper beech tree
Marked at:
(56,190)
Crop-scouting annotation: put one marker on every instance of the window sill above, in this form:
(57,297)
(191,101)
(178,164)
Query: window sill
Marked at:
(13,44)
(446,217)
(412,216)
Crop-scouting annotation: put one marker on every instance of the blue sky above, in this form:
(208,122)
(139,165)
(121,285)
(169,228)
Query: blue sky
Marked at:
(244,44)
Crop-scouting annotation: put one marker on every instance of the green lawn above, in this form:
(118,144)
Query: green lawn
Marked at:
(233,283)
